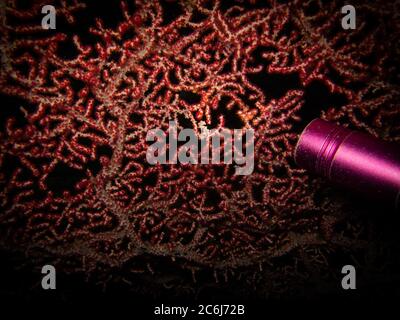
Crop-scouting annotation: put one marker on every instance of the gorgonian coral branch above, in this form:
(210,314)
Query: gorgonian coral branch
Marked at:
(74,177)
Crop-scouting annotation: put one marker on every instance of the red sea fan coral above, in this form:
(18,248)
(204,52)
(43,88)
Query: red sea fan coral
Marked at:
(74,177)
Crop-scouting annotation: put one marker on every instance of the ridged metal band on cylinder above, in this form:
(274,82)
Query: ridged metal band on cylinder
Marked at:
(328,150)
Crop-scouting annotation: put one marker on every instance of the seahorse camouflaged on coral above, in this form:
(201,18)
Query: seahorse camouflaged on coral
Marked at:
(74,177)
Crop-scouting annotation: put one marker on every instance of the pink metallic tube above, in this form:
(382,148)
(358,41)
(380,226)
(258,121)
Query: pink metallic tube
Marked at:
(351,159)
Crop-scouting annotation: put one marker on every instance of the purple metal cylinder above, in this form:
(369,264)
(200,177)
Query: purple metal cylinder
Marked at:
(351,159)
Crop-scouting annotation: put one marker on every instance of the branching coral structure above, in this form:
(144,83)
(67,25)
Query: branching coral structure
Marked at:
(79,100)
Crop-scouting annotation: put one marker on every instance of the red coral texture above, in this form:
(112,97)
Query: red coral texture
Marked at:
(74,180)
